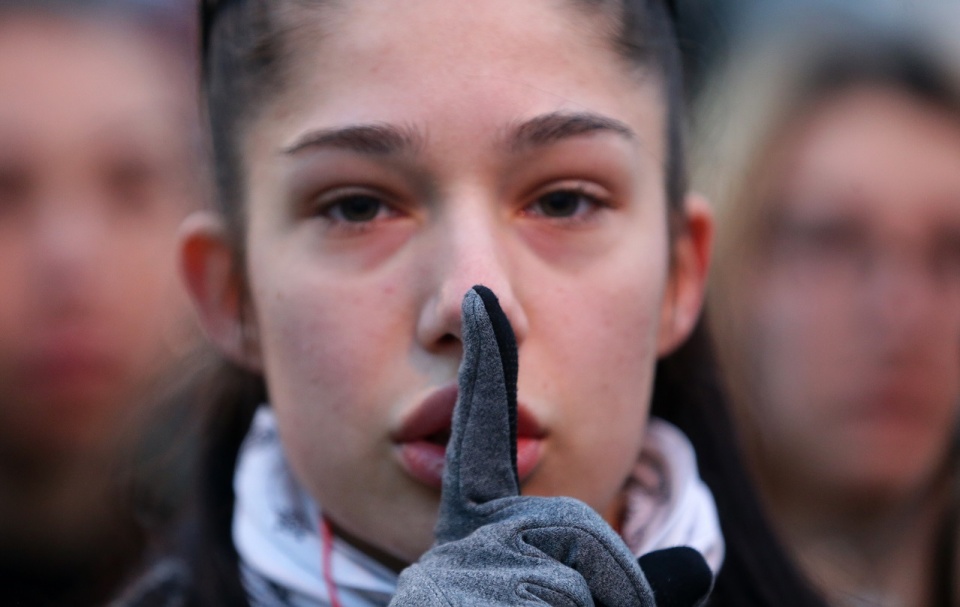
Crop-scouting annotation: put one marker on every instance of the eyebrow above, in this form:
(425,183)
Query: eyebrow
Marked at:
(377,139)
(382,139)
(557,126)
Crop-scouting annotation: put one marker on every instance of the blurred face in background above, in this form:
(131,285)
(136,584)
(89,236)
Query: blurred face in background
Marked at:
(854,310)
(94,129)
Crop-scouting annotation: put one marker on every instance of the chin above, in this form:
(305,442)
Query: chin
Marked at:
(882,484)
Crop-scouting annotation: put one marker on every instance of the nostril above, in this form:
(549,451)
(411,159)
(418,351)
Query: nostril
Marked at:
(448,339)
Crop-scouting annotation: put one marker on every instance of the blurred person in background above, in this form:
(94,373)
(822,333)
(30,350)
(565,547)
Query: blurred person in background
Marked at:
(832,152)
(98,165)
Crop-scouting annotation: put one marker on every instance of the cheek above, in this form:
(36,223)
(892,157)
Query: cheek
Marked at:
(798,348)
(315,337)
(595,368)
(13,331)
(13,283)
(603,322)
(331,351)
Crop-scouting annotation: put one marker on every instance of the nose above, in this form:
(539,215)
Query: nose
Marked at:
(68,247)
(468,245)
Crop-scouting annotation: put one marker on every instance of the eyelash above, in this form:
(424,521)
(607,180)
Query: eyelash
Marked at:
(331,208)
(584,193)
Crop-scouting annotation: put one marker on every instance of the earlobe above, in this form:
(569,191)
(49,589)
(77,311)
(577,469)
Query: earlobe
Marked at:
(683,298)
(207,264)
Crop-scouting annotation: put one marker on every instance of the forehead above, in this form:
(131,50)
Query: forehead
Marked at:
(879,153)
(417,60)
(65,78)
(461,31)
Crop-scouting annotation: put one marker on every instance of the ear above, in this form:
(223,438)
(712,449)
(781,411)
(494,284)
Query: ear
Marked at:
(683,299)
(207,262)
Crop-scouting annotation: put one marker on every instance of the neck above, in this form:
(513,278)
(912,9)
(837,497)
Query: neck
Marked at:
(859,549)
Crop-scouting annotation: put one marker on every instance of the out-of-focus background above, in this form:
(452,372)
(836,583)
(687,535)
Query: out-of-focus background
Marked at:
(827,137)
(101,156)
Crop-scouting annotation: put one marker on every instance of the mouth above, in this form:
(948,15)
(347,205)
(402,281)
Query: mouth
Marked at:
(440,438)
(71,372)
(423,436)
(899,406)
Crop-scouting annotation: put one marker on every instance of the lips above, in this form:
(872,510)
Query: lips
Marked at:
(901,405)
(71,367)
(423,436)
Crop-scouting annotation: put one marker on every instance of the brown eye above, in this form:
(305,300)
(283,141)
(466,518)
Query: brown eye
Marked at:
(562,204)
(356,209)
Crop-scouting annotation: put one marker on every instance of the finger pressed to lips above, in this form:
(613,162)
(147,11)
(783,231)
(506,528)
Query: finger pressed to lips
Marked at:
(422,436)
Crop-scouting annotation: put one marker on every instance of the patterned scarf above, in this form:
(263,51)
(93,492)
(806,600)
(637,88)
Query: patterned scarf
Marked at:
(288,556)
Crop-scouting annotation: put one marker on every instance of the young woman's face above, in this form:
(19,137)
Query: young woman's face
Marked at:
(855,340)
(421,148)
(93,180)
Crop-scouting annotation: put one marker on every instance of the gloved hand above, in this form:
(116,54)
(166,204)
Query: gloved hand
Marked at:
(496,547)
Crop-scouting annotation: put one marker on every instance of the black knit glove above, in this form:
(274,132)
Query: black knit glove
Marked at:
(496,547)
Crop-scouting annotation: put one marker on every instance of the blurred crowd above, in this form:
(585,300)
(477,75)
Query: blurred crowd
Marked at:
(826,136)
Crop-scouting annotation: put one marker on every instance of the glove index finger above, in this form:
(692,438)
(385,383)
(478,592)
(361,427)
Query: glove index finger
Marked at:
(481,459)
(507,347)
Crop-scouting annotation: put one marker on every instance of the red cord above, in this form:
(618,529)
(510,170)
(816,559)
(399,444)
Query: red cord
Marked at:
(326,536)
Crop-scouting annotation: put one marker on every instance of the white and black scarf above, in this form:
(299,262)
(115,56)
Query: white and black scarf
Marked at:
(288,557)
